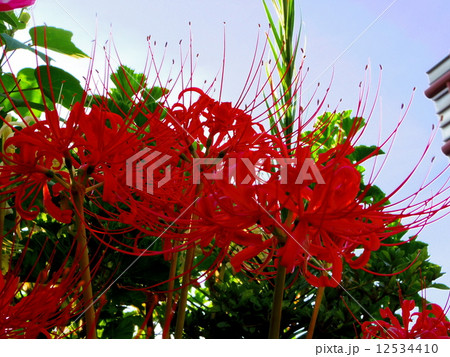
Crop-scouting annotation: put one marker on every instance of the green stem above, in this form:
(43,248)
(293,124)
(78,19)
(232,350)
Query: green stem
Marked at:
(182,303)
(284,47)
(2,206)
(84,262)
(277,304)
(186,283)
(312,323)
(2,229)
(169,301)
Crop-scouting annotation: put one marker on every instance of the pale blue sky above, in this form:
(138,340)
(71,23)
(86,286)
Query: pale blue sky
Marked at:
(407,40)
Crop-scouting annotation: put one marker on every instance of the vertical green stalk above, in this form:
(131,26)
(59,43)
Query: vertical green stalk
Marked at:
(284,48)
(171,286)
(318,302)
(2,230)
(182,302)
(189,259)
(2,201)
(277,303)
(4,136)
(282,112)
(82,247)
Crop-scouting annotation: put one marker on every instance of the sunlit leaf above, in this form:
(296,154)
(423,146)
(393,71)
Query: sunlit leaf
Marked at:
(55,39)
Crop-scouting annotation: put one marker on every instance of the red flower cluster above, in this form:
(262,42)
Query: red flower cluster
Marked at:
(431,322)
(232,187)
(48,304)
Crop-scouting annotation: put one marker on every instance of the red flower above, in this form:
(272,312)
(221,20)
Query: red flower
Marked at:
(24,175)
(48,304)
(331,224)
(431,322)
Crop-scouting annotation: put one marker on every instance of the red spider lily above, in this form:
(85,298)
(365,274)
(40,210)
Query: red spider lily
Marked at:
(261,213)
(33,157)
(42,306)
(8,5)
(218,126)
(194,143)
(332,224)
(431,322)
(311,225)
(48,305)
(26,178)
(90,148)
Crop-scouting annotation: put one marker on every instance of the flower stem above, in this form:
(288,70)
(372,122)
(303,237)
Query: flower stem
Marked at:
(312,323)
(277,304)
(82,248)
(2,229)
(182,303)
(3,137)
(186,283)
(171,286)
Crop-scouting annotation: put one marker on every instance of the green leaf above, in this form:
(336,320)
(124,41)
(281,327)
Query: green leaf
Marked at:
(155,93)
(128,82)
(362,151)
(347,121)
(10,18)
(439,286)
(374,194)
(55,39)
(31,95)
(12,44)
(58,85)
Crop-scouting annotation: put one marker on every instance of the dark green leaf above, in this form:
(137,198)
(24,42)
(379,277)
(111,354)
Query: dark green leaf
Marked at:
(60,86)
(362,151)
(439,286)
(128,82)
(374,194)
(140,119)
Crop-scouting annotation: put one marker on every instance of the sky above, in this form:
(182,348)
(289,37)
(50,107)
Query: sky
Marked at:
(405,37)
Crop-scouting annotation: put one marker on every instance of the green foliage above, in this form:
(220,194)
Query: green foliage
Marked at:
(237,307)
(11,97)
(58,85)
(132,88)
(10,22)
(331,129)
